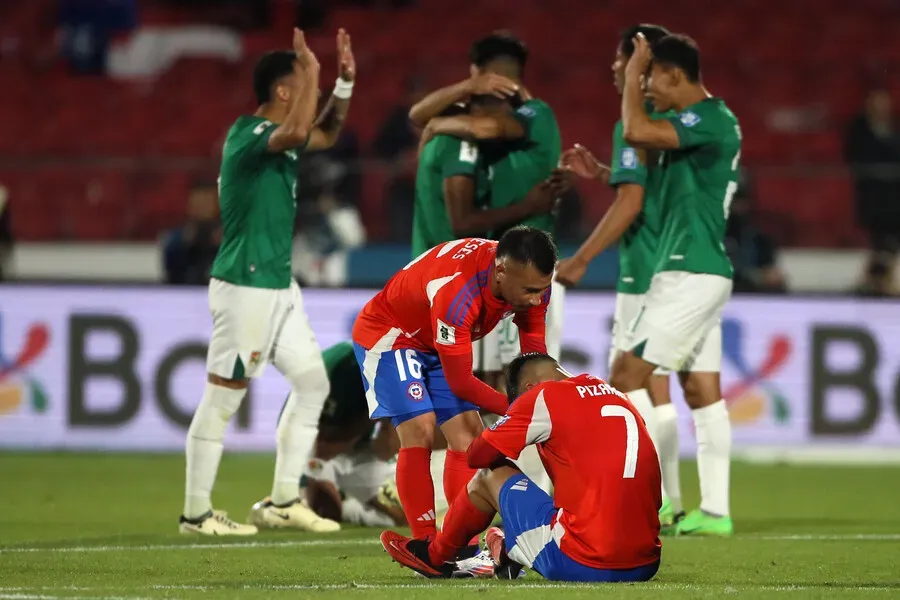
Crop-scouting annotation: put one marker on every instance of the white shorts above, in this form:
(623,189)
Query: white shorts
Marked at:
(499,347)
(627,308)
(255,326)
(358,476)
(679,324)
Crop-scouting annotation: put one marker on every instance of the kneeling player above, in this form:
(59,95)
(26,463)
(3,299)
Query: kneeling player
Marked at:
(601,525)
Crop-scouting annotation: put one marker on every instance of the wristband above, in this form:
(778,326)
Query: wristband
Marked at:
(342,89)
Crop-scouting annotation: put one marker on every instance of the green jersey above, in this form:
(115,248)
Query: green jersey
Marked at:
(697,183)
(442,157)
(516,167)
(638,245)
(346,402)
(257,190)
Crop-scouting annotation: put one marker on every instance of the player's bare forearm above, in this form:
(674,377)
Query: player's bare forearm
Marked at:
(437,102)
(328,126)
(465,219)
(294,131)
(474,128)
(638,129)
(626,208)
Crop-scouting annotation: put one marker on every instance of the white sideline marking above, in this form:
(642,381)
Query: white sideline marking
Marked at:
(800,537)
(39,593)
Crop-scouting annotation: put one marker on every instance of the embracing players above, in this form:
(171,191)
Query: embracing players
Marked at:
(413,342)
(634,221)
(601,524)
(678,325)
(256,305)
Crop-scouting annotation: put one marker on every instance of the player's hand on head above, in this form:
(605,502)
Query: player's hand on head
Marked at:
(305,56)
(346,60)
(494,85)
(583,163)
(640,60)
(569,271)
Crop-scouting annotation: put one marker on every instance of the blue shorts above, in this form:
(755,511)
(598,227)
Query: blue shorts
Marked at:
(527,512)
(402,384)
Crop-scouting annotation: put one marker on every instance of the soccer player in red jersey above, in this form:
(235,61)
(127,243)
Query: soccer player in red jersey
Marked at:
(413,342)
(603,522)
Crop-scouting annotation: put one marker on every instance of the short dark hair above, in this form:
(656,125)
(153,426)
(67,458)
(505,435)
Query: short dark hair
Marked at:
(653,33)
(514,371)
(679,51)
(529,246)
(500,44)
(271,67)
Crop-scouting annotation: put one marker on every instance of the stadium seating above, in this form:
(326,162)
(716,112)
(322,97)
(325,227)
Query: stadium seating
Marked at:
(140,143)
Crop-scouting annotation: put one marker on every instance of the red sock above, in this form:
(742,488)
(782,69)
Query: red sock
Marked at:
(462,522)
(416,490)
(457,474)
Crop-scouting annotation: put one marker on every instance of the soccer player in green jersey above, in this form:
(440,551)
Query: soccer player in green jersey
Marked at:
(452,189)
(678,326)
(256,305)
(633,220)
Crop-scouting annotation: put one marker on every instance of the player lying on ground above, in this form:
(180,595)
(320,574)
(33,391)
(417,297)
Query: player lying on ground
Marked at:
(679,323)
(632,221)
(601,525)
(413,343)
(256,305)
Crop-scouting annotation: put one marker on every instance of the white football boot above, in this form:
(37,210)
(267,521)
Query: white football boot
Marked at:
(215,522)
(296,515)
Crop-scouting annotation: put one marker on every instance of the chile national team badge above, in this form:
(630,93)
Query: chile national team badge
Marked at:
(415,391)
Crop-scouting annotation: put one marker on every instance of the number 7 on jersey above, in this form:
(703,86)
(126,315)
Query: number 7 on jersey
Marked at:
(631,436)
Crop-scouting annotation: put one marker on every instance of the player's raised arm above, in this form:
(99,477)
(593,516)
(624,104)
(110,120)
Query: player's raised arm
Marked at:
(294,131)
(638,129)
(438,101)
(327,128)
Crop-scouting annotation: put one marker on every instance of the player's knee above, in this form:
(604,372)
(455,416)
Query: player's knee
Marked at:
(218,405)
(461,430)
(628,373)
(417,432)
(477,485)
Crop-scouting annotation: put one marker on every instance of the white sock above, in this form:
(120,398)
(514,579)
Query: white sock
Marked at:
(713,456)
(667,447)
(641,400)
(298,428)
(204,446)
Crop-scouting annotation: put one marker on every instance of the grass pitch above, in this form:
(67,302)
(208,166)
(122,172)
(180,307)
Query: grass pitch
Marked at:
(105,526)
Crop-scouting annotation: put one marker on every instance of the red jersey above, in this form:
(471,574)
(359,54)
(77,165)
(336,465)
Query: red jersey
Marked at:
(440,303)
(603,465)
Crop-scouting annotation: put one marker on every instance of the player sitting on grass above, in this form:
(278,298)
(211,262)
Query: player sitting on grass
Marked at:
(602,523)
(413,342)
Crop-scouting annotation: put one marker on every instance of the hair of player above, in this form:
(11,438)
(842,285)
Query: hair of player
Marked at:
(500,45)
(678,51)
(653,33)
(271,67)
(514,371)
(529,246)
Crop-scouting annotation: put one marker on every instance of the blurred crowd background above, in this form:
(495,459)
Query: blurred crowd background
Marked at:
(113,114)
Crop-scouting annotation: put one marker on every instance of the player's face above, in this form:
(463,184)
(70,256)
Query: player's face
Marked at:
(660,85)
(618,69)
(521,285)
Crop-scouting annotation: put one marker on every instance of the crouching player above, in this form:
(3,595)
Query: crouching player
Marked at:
(602,523)
(351,478)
